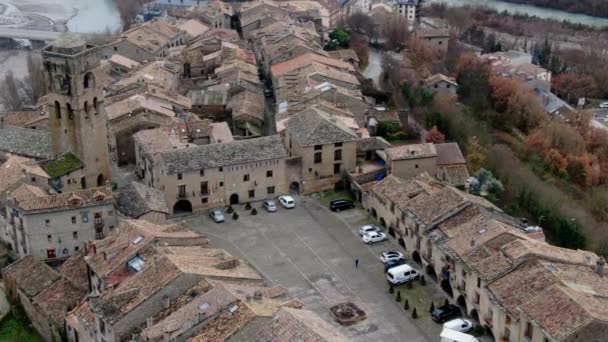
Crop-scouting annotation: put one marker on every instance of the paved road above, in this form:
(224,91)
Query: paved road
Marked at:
(373,69)
(311,252)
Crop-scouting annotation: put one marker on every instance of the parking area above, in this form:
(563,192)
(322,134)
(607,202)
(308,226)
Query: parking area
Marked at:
(312,252)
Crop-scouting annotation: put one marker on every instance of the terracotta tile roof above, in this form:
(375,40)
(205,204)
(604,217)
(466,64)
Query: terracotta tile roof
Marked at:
(456,175)
(56,300)
(307,59)
(449,154)
(152,35)
(31,276)
(26,192)
(80,198)
(84,315)
(401,192)
(194,27)
(295,324)
(414,151)
(20,119)
(137,103)
(75,270)
(372,144)
(124,61)
(345,55)
(11,171)
(247,104)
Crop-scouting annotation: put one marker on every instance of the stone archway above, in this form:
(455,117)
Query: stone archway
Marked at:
(391,231)
(101,180)
(374,213)
(430,270)
(182,207)
(447,287)
(294,188)
(234,199)
(382,222)
(416,257)
(462,302)
(401,242)
(474,315)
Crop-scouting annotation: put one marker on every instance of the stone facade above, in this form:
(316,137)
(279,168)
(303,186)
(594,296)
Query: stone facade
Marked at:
(77,117)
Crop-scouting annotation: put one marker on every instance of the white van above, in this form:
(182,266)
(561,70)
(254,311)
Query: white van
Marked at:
(449,335)
(401,274)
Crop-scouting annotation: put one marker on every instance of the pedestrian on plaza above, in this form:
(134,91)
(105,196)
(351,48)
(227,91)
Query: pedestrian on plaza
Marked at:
(356,263)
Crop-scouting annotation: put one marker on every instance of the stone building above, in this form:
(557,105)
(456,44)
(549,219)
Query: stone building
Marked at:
(77,116)
(435,38)
(195,178)
(139,201)
(326,149)
(441,84)
(52,227)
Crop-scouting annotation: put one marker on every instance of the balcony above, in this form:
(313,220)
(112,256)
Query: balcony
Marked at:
(182,195)
(98,223)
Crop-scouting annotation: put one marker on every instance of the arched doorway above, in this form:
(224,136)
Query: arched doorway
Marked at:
(430,270)
(447,287)
(294,188)
(234,199)
(391,231)
(401,242)
(489,332)
(382,222)
(474,315)
(182,207)
(462,302)
(416,257)
(374,213)
(101,180)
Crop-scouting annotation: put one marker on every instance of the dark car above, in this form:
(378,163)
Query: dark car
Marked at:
(445,313)
(393,263)
(341,204)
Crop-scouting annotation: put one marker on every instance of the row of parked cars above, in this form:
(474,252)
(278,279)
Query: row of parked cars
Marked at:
(270,206)
(399,272)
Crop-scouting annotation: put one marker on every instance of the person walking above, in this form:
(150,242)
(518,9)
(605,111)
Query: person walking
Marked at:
(356,263)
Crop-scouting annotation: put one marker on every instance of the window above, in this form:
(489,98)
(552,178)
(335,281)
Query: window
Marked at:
(508,320)
(73,219)
(76,248)
(102,327)
(201,173)
(221,183)
(416,166)
(47,223)
(270,190)
(318,158)
(204,200)
(70,111)
(50,253)
(221,169)
(95,105)
(245,178)
(116,48)
(179,176)
(337,155)
(86,108)
(318,147)
(251,193)
(338,144)
(49,238)
(181,190)
(478,281)
(337,168)
(204,188)
(529,330)
(269,173)
(75,235)
(57,110)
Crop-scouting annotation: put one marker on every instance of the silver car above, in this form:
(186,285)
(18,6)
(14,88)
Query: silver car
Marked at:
(270,206)
(216,215)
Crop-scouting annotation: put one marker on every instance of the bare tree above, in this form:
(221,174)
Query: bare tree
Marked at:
(361,23)
(395,31)
(32,87)
(9,93)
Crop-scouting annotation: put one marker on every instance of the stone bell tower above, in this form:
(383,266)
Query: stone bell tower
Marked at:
(77,118)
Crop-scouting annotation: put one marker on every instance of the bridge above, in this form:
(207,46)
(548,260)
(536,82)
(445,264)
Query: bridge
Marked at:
(34,35)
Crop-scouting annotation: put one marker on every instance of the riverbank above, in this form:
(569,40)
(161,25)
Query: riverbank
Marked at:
(595,8)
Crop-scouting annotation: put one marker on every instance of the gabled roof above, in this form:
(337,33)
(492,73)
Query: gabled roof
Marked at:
(449,154)
(31,276)
(314,127)
(26,142)
(432,80)
(136,199)
(75,199)
(414,151)
(223,154)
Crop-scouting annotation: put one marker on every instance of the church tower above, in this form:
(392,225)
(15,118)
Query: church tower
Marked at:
(77,118)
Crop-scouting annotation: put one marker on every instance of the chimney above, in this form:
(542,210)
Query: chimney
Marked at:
(599,266)
(149,322)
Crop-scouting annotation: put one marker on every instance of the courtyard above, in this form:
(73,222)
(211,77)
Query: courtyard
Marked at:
(312,252)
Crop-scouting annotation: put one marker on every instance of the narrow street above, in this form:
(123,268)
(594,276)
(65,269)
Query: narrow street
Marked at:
(374,67)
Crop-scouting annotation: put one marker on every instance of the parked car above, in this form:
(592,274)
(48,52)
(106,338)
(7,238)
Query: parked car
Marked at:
(604,105)
(287,202)
(402,274)
(216,215)
(459,324)
(449,335)
(373,237)
(390,256)
(393,263)
(341,204)
(270,206)
(445,312)
(368,229)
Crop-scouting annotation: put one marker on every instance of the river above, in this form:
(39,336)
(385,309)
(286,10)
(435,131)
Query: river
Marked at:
(541,12)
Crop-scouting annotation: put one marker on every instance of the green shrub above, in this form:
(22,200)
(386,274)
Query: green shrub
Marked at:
(235,216)
(254,211)
(229,210)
